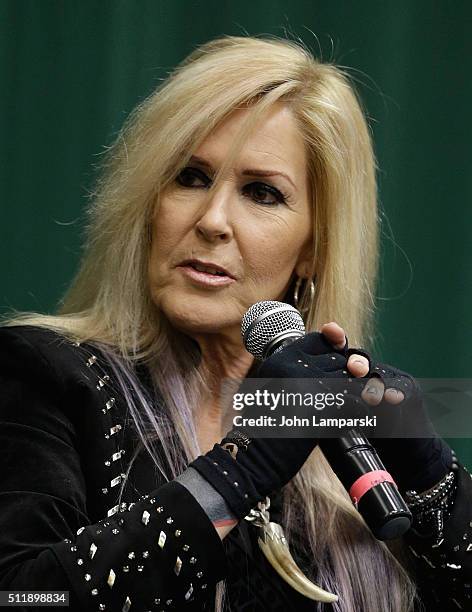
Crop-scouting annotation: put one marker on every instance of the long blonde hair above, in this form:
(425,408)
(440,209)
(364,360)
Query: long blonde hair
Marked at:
(109,301)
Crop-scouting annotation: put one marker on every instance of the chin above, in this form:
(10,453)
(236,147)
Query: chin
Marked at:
(192,317)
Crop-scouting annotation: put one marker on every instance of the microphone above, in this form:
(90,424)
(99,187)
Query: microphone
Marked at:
(266,328)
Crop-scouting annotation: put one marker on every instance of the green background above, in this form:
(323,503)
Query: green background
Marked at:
(72,70)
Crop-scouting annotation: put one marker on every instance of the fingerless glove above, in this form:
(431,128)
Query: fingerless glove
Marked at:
(423,458)
(243,468)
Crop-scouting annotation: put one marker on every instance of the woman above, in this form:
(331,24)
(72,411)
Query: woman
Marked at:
(246,176)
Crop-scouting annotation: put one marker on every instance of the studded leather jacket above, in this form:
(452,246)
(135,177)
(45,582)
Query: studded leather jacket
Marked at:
(65,443)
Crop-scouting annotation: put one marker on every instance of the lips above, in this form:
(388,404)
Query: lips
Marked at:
(206,267)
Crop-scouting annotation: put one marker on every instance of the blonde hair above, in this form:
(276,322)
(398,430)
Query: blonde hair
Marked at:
(109,301)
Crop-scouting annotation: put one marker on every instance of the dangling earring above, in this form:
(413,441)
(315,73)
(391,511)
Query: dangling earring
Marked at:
(296,291)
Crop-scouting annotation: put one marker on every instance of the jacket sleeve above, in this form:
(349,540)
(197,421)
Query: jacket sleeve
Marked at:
(444,571)
(161,552)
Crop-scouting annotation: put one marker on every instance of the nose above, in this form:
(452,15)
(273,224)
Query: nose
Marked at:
(214,223)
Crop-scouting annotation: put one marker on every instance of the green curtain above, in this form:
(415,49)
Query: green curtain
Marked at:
(72,70)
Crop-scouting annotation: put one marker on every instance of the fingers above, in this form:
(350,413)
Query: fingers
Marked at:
(374,391)
(334,333)
(393,396)
(358,365)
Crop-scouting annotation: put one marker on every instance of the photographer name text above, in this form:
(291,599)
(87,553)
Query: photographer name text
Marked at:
(294,421)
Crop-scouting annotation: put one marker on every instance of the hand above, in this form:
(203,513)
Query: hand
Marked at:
(414,453)
(417,462)
(358,365)
(243,468)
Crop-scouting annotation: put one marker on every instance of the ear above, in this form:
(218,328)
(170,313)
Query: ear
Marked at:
(304,268)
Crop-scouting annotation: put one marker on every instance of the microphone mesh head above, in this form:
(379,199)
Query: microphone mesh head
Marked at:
(264,321)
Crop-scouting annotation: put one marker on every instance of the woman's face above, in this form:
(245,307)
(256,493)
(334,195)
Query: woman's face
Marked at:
(212,257)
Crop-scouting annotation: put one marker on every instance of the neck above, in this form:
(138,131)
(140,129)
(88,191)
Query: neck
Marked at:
(223,359)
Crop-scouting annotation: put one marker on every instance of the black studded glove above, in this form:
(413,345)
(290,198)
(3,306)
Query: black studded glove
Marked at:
(421,458)
(243,468)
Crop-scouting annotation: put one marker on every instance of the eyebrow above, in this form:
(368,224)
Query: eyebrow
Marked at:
(247,171)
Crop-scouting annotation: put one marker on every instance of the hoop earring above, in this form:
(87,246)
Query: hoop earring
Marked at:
(309,283)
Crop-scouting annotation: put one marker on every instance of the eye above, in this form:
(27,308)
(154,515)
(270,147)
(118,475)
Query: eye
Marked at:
(264,194)
(261,193)
(192,177)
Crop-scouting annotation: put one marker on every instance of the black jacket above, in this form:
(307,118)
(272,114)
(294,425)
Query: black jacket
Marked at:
(65,442)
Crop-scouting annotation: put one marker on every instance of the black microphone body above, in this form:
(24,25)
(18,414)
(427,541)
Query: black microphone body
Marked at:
(383,508)
(351,456)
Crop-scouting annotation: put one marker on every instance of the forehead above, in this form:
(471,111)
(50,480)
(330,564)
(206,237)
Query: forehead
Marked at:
(274,142)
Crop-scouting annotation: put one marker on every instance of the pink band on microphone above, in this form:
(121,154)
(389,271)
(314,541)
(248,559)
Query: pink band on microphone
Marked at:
(365,482)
